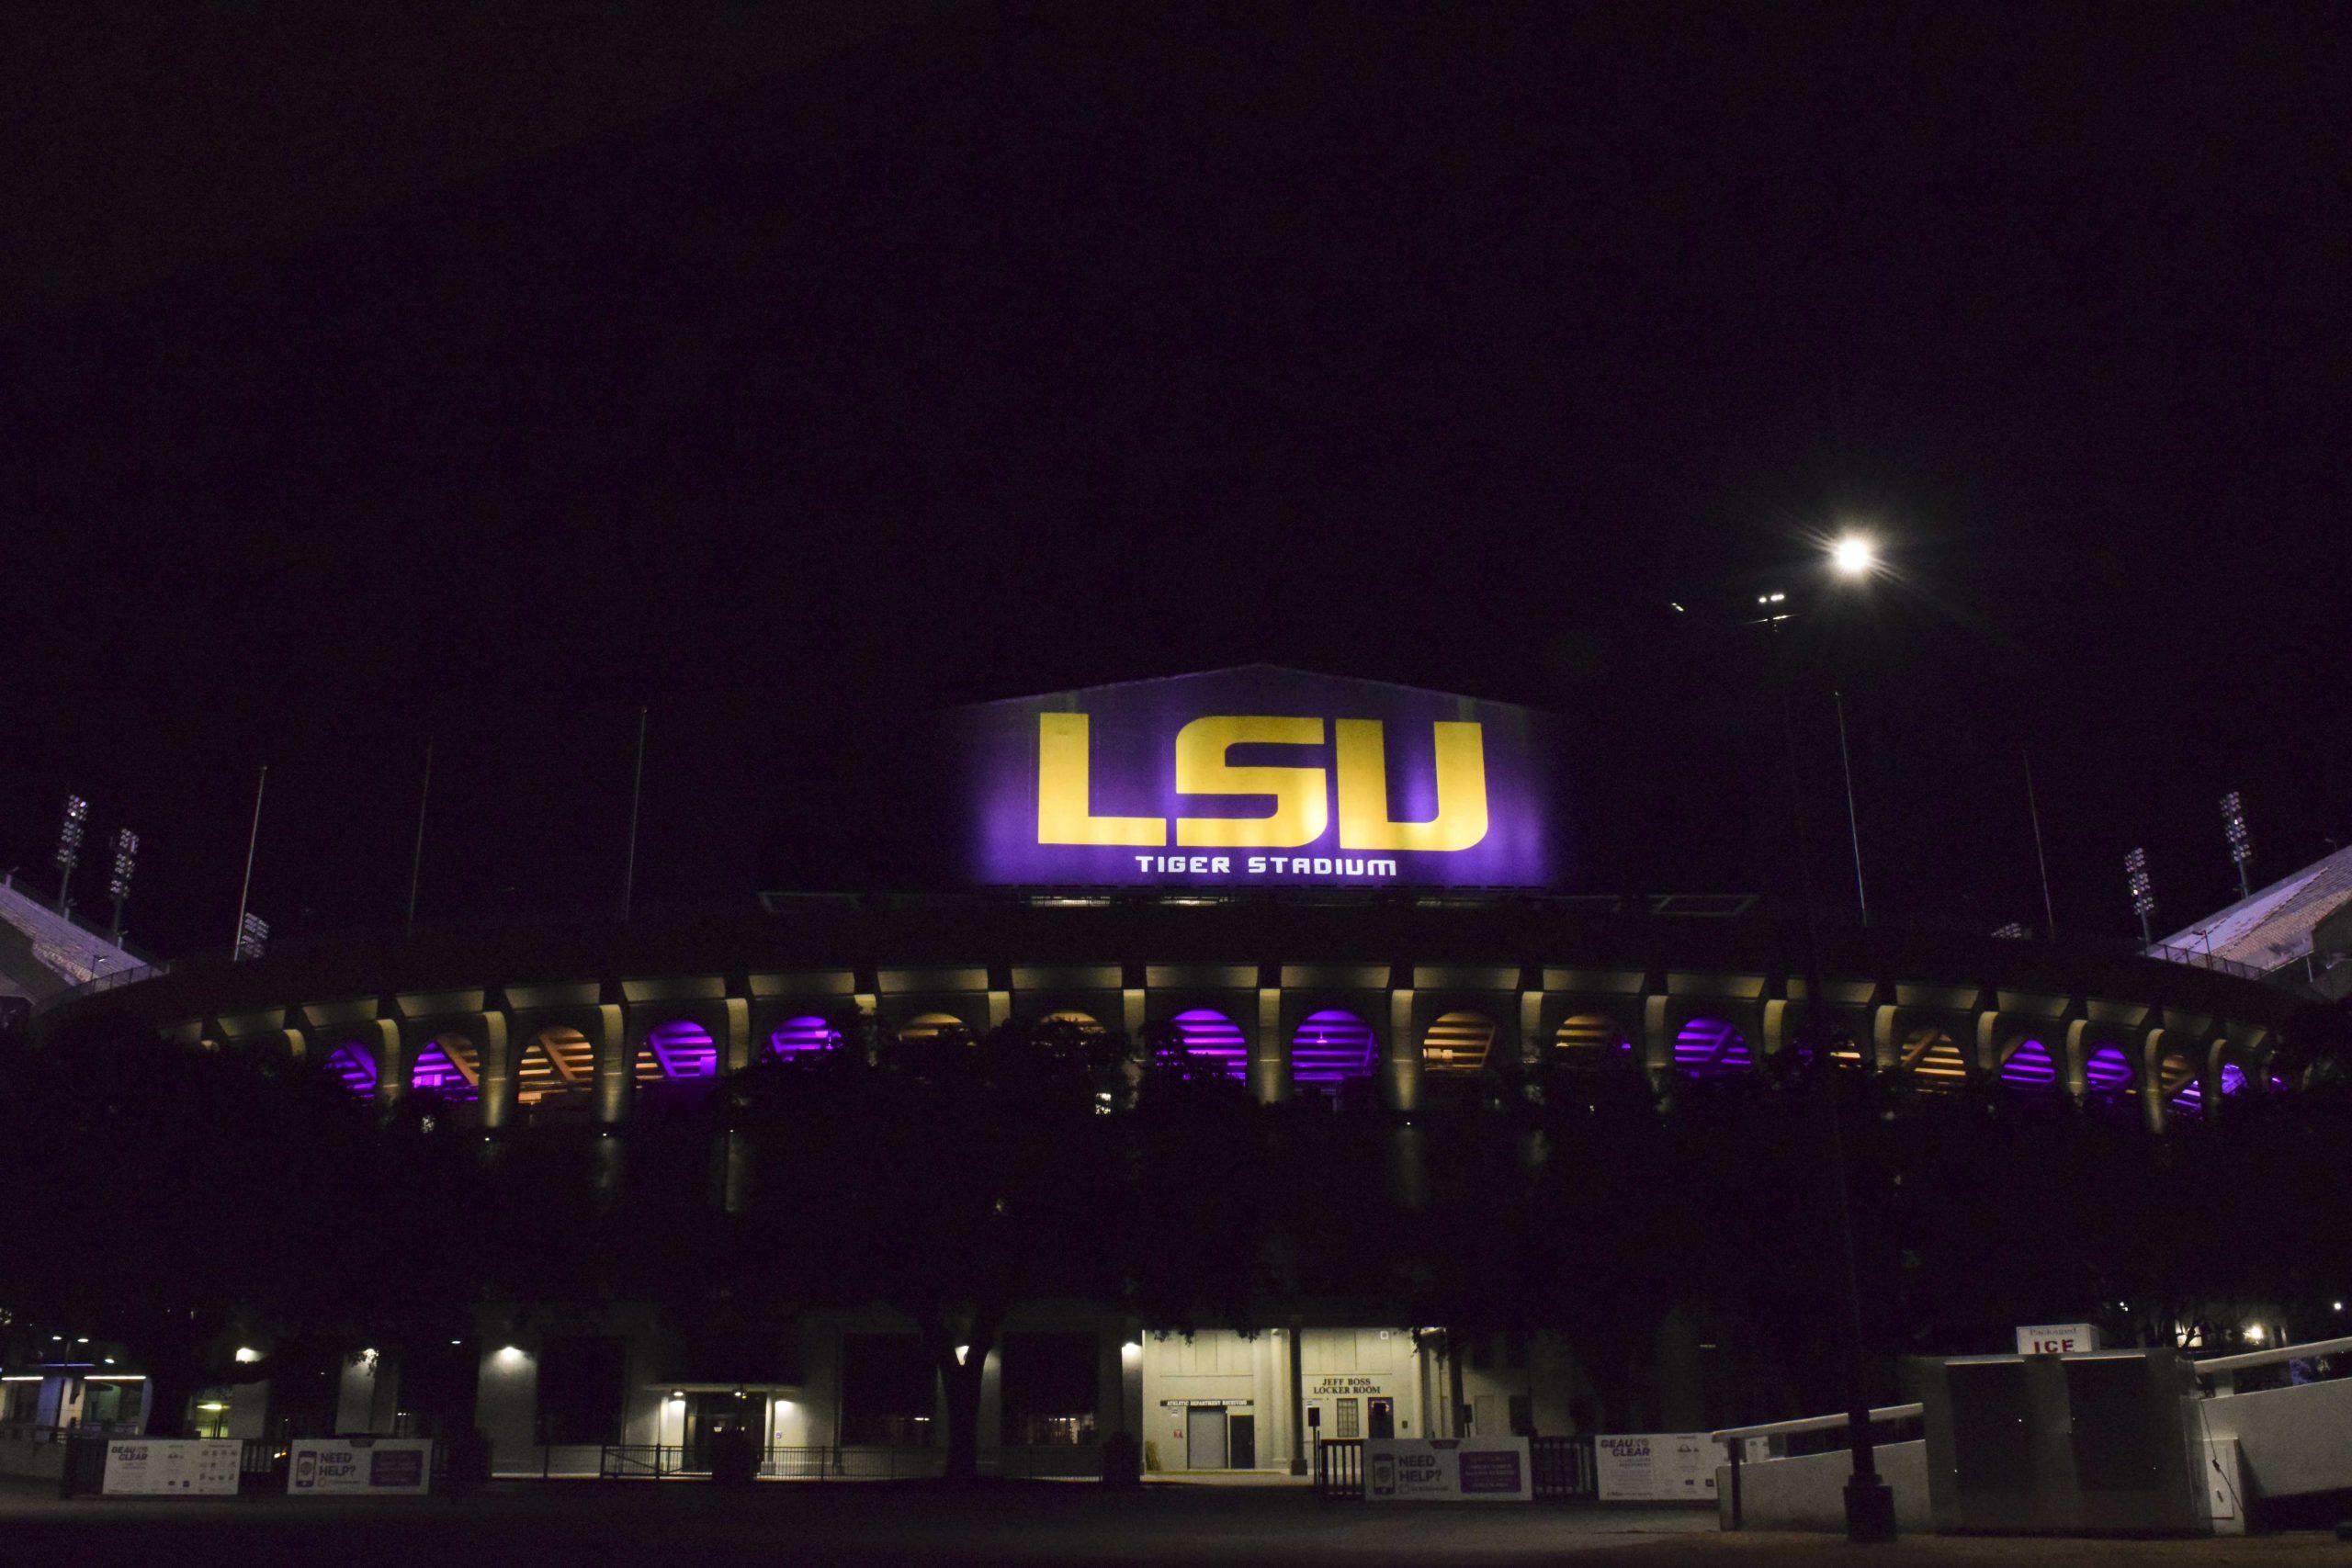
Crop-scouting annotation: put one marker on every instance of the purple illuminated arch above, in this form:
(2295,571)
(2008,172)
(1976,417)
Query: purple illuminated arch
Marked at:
(2029,1066)
(1707,1047)
(1333,1047)
(675,1051)
(2233,1079)
(2107,1071)
(802,1039)
(1208,1035)
(437,1072)
(353,1067)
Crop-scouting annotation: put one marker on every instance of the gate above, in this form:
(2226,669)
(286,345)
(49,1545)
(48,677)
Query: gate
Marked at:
(1563,1470)
(1338,1470)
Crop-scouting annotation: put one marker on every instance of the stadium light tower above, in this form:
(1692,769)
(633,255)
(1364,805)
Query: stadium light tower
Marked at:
(2144,892)
(253,936)
(2241,846)
(69,848)
(126,861)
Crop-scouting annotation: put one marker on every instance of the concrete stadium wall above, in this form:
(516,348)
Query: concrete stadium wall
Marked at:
(1808,1492)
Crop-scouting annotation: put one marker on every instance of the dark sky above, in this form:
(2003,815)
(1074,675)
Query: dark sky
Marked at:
(816,375)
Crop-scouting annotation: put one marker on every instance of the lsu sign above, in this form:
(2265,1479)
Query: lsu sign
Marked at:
(1256,776)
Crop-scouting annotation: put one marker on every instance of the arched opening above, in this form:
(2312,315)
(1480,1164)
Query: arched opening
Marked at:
(1457,1045)
(2178,1085)
(1933,1059)
(677,1052)
(1207,1035)
(2029,1065)
(1590,1039)
(1709,1048)
(2107,1073)
(802,1039)
(1070,1018)
(931,1026)
(1332,1048)
(556,1063)
(2234,1082)
(353,1067)
(446,1066)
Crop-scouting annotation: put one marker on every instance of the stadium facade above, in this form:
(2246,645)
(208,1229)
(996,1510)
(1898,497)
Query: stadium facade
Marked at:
(1124,844)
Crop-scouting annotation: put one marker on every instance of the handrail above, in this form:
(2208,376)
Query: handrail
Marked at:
(1815,1424)
(2276,1356)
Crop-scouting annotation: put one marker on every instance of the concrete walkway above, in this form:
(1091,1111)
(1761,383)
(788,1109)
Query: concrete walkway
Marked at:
(694,1527)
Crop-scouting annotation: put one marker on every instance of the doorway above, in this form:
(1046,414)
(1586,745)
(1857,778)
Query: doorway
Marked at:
(1380,1418)
(1204,1437)
(708,1415)
(1241,1440)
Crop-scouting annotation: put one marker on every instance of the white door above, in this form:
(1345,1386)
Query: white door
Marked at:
(1204,1437)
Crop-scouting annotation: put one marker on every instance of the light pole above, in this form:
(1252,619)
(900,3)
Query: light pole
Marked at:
(126,861)
(2241,844)
(2144,892)
(1870,1503)
(69,849)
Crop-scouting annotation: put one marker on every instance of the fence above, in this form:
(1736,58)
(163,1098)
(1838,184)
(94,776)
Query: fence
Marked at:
(1563,1469)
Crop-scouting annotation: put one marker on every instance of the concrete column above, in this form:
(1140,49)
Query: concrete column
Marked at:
(495,1067)
(736,1049)
(1530,1026)
(612,1064)
(1270,1051)
(391,1062)
(1657,1039)
(1297,1371)
(1404,1057)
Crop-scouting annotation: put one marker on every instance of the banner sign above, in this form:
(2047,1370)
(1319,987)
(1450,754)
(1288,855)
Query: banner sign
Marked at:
(172,1467)
(1447,1469)
(1657,1467)
(1256,777)
(349,1467)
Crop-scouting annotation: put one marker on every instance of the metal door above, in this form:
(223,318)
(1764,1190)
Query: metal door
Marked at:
(1241,1440)
(1204,1437)
(1383,1415)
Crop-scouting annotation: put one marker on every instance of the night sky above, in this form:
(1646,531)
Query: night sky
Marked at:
(795,386)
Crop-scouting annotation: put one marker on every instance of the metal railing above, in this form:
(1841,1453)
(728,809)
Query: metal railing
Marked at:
(2223,1370)
(663,1461)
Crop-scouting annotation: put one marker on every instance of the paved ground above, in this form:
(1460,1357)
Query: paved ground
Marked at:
(687,1525)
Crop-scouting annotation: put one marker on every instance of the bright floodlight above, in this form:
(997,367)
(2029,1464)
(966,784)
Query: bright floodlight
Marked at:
(1853,555)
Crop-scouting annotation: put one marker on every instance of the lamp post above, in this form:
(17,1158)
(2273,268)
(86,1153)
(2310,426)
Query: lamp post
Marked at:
(1868,1502)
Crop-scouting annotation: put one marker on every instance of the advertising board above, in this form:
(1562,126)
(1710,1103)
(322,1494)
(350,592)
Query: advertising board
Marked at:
(1447,1469)
(172,1467)
(1255,777)
(351,1467)
(1657,1467)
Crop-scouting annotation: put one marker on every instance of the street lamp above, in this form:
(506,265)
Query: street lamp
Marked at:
(1853,555)
(1868,1502)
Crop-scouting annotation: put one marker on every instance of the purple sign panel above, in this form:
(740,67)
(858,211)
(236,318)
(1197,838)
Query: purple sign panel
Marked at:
(1257,777)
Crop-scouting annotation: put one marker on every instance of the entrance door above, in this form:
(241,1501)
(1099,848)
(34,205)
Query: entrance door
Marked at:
(1204,1437)
(1382,1418)
(707,1415)
(1241,1440)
